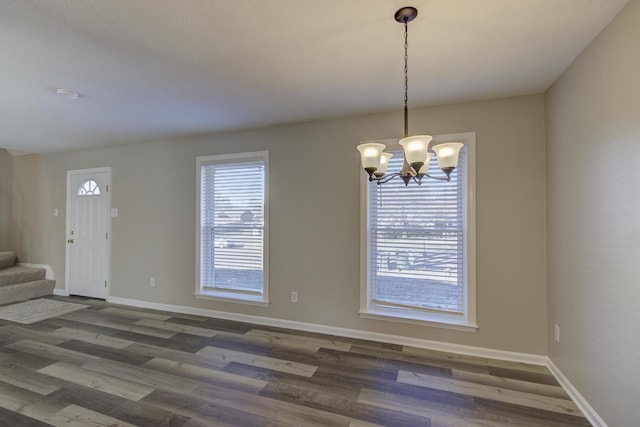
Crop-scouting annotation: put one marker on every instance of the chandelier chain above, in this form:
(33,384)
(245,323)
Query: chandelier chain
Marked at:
(406,80)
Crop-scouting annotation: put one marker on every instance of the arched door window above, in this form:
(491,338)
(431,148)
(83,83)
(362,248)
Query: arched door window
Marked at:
(89,188)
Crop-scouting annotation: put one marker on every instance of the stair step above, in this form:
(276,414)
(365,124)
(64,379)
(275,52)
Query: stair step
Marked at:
(18,274)
(7,259)
(25,291)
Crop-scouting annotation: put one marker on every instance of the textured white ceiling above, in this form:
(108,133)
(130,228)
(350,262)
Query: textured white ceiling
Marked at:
(154,69)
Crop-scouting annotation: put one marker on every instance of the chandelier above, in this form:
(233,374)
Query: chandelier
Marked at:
(415,148)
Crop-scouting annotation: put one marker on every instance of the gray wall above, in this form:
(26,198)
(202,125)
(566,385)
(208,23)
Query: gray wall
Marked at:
(30,213)
(6,185)
(593,190)
(314,233)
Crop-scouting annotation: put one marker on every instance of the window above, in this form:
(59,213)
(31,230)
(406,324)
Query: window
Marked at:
(418,257)
(232,228)
(88,188)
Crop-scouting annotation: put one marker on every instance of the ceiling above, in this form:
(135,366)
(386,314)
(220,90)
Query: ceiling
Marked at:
(156,69)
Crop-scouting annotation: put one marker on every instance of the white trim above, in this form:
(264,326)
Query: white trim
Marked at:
(60,292)
(470,225)
(49,270)
(533,359)
(590,414)
(70,173)
(15,153)
(407,319)
(228,158)
(466,322)
(235,298)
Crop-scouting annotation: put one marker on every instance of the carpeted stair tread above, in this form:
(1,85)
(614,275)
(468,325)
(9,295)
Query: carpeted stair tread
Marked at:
(19,283)
(18,274)
(26,290)
(7,259)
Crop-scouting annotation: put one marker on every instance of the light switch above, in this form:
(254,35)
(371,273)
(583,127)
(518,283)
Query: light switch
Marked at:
(55,212)
(114,212)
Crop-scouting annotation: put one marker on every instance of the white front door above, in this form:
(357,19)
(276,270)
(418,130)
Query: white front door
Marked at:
(88,208)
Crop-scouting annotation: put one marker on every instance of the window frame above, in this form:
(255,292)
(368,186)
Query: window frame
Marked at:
(225,295)
(464,322)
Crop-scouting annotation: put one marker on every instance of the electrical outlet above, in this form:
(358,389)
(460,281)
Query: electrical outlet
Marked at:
(152,282)
(294,296)
(556,333)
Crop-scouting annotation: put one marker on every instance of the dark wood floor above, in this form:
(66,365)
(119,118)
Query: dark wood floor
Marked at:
(110,365)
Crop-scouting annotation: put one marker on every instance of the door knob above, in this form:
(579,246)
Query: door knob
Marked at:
(70,241)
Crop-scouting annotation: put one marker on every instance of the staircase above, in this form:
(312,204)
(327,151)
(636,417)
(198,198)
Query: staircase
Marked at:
(21,283)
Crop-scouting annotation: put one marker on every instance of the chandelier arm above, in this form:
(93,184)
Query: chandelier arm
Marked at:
(439,178)
(415,178)
(386,178)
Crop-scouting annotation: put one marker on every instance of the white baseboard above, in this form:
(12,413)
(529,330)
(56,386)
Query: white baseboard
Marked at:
(590,414)
(60,292)
(47,268)
(533,359)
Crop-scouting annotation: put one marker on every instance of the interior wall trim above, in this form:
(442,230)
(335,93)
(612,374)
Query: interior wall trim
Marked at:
(60,292)
(588,411)
(533,359)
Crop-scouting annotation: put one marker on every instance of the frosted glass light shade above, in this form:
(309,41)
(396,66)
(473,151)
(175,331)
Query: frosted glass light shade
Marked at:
(447,154)
(384,163)
(425,168)
(370,153)
(415,148)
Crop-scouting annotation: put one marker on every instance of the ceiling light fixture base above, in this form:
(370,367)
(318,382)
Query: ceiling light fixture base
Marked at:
(406,14)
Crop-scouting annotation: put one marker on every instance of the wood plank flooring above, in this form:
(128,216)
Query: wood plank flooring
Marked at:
(109,365)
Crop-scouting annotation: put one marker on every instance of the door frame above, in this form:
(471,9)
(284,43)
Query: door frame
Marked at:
(70,174)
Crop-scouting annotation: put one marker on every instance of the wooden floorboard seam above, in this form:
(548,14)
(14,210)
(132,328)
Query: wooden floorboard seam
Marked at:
(123,366)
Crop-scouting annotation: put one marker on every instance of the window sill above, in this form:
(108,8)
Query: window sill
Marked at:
(233,298)
(421,319)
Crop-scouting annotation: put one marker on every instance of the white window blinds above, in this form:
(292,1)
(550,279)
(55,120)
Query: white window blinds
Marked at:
(232,221)
(415,241)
